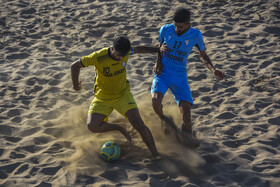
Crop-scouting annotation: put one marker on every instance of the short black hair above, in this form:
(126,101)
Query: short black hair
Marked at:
(182,15)
(122,45)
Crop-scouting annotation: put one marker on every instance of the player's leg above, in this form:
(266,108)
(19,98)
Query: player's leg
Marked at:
(182,95)
(166,121)
(157,103)
(136,121)
(187,137)
(96,124)
(159,88)
(128,108)
(185,109)
(98,112)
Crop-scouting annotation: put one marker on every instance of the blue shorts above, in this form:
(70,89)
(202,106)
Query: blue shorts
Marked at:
(179,88)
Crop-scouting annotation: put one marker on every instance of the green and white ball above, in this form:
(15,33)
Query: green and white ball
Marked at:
(110,151)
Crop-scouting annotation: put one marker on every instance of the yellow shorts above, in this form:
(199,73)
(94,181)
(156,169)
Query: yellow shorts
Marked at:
(106,107)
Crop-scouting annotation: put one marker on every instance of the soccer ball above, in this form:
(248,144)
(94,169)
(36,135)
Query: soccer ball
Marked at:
(110,151)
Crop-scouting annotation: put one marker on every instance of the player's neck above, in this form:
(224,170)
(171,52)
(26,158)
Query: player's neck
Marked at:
(110,53)
(184,31)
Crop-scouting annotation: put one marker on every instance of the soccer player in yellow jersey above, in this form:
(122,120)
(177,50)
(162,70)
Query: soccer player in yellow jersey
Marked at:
(112,90)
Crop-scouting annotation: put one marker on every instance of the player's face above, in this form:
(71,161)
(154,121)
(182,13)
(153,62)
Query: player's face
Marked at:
(181,28)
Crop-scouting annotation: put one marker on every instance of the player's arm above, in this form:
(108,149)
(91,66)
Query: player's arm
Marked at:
(159,66)
(146,49)
(207,62)
(151,49)
(75,72)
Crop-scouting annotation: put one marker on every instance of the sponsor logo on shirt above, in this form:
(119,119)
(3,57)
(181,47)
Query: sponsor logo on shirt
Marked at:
(123,63)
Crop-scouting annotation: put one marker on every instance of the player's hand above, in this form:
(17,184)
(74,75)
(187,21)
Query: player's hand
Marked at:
(164,48)
(219,74)
(78,87)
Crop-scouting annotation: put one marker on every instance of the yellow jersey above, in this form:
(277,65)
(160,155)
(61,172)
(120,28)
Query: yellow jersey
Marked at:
(110,75)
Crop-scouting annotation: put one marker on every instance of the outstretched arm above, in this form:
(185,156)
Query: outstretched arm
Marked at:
(146,49)
(207,62)
(75,72)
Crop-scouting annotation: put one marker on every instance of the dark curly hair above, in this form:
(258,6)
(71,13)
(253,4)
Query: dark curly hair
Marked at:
(122,45)
(182,15)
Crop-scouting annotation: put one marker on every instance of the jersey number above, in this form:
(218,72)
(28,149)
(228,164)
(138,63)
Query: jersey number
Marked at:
(106,69)
(177,47)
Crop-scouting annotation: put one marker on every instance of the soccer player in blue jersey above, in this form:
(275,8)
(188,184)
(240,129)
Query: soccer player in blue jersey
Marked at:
(177,41)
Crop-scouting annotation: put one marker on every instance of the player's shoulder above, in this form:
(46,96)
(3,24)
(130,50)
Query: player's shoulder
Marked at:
(99,52)
(194,31)
(168,26)
(103,51)
(102,54)
(171,25)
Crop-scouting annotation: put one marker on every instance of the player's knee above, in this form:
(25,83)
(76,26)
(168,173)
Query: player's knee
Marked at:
(92,126)
(156,102)
(185,105)
(156,99)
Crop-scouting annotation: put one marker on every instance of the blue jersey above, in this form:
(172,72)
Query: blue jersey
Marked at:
(175,61)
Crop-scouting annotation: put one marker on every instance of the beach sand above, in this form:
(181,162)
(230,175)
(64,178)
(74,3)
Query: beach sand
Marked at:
(43,133)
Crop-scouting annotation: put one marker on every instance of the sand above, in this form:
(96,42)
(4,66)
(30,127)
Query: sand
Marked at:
(43,133)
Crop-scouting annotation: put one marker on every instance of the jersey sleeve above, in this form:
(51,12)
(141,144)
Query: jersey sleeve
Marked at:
(161,35)
(131,50)
(89,60)
(200,43)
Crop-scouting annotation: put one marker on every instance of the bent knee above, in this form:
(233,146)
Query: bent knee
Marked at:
(94,121)
(156,102)
(157,98)
(93,127)
(185,105)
